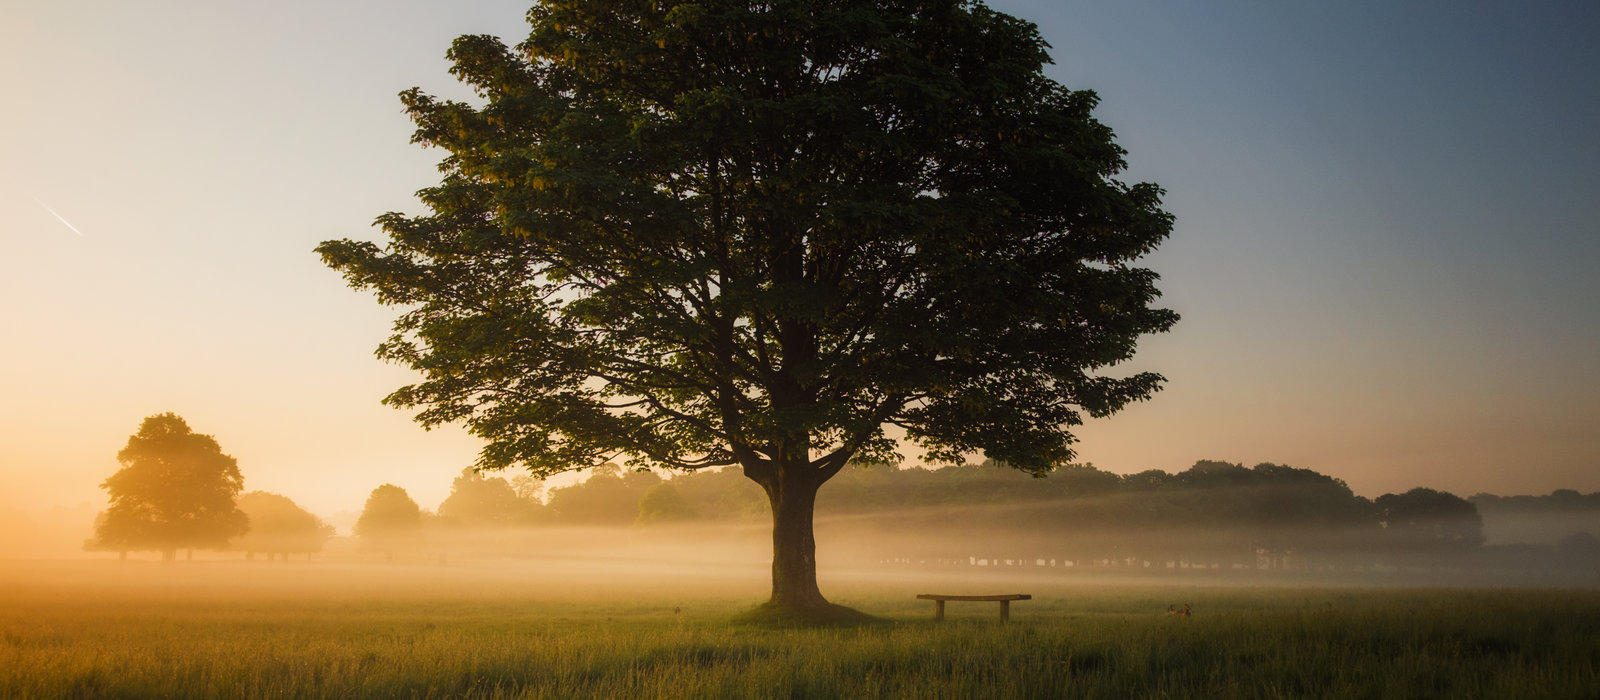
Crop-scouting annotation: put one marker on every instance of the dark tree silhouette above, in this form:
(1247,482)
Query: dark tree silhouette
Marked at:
(1423,521)
(175,491)
(390,522)
(1538,520)
(756,235)
(280,526)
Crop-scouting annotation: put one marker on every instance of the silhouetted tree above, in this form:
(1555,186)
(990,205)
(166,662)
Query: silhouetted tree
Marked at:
(175,490)
(479,501)
(1423,522)
(1539,520)
(1300,513)
(755,235)
(279,526)
(390,522)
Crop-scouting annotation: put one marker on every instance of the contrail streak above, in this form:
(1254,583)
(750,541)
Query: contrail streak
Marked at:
(63,219)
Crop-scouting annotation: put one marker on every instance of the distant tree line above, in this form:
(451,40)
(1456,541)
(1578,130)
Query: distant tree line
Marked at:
(1213,515)
(178,491)
(1527,526)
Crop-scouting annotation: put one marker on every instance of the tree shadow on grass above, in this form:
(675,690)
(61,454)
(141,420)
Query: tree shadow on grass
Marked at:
(829,615)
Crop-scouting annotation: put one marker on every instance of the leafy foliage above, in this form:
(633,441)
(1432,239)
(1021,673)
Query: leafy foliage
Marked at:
(703,234)
(175,490)
(1425,518)
(692,234)
(610,496)
(390,521)
(479,501)
(663,504)
(279,525)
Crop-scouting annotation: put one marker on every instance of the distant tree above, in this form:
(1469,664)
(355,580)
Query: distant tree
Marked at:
(610,496)
(390,522)
(1303,513)
(758,234)
(1541,520)
(663,504)
(1423,520)
(1147,480)
(723,495)
(279,526)
(479,501)
(1569,499)
(1558,501)
(1208,473)
(528,487)
(175,491)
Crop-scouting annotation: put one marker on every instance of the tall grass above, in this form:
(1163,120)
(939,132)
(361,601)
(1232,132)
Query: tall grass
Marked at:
(450,639)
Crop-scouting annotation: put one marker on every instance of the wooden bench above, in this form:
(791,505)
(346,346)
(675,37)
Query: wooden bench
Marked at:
(1004,599)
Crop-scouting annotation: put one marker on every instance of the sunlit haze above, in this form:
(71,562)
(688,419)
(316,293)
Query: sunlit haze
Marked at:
(1384,252)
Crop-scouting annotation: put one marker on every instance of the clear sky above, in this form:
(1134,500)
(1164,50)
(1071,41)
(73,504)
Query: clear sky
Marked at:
(1385,252)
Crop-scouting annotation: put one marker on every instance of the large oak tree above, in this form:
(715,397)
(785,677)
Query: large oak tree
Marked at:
(175,490)
(762,234)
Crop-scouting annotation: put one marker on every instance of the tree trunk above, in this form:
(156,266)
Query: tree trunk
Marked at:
(791,486)
(794,546)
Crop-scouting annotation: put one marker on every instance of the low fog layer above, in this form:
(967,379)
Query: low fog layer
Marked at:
(1215,521)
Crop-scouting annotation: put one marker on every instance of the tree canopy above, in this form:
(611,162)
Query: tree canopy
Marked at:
(663,504)
(693,234)
(390,521)
(610,495)
(479,501)
(175,490)
(1542,520)
(1425,518)
(280,526)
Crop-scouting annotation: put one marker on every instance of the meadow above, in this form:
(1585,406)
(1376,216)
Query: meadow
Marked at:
(603,628)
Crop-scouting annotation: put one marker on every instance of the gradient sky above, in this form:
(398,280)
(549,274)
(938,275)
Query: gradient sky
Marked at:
(1385,249)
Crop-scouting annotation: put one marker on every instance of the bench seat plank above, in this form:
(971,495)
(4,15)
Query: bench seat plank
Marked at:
(1004,596)
(1004,599)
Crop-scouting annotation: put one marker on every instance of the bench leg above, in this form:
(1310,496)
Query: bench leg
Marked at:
(938,610)
(1005,610)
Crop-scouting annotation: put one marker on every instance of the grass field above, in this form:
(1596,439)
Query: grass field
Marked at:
(348,630)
